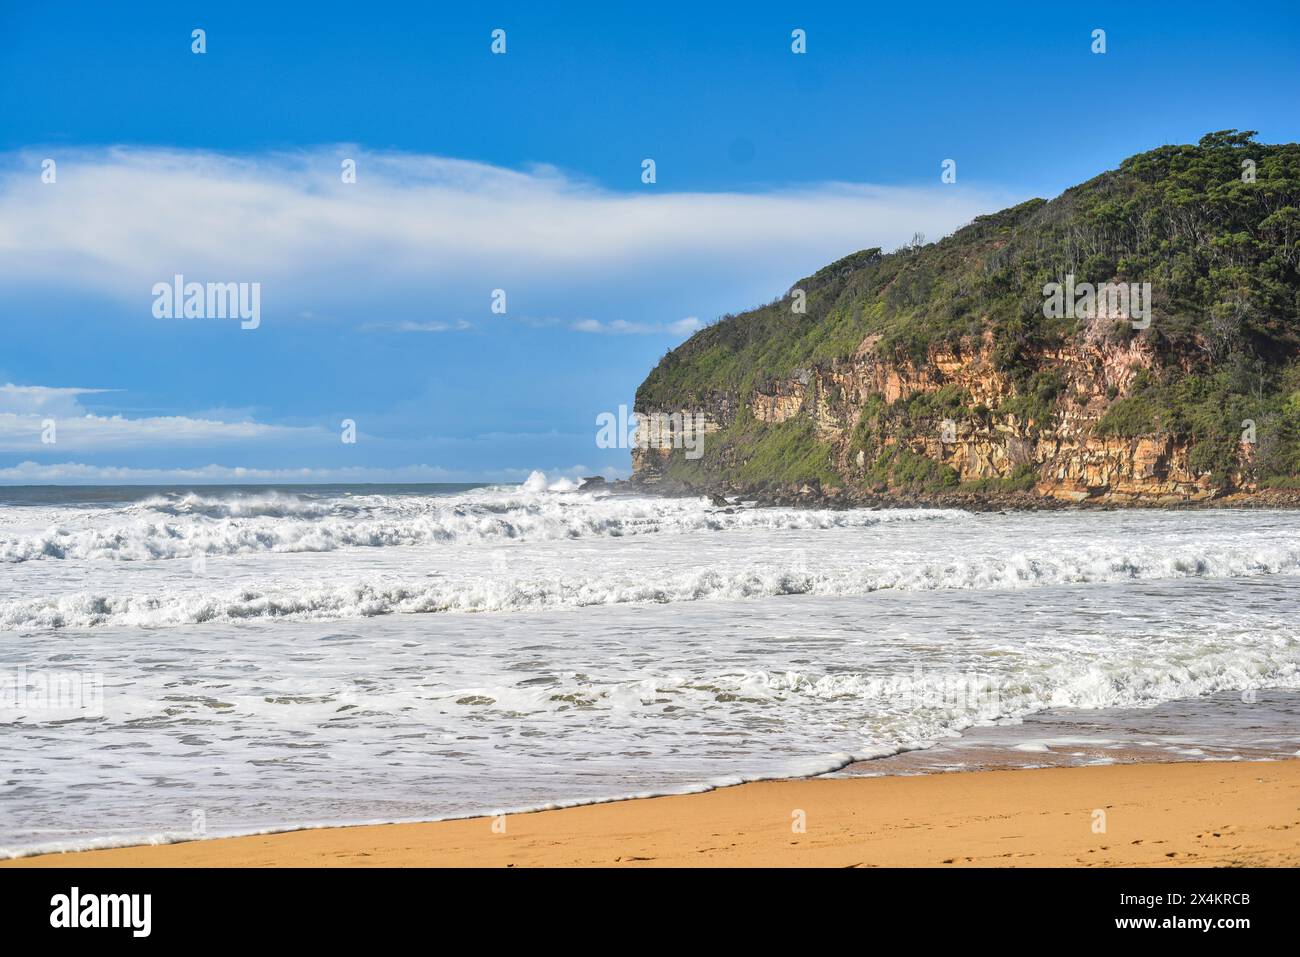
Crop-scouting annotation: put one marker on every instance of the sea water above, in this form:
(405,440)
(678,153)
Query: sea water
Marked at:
(191,662)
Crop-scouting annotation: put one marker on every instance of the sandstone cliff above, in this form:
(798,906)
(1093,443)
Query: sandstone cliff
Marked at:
(987,451)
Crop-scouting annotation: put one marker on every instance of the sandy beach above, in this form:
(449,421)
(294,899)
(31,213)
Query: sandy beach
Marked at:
(1201,814)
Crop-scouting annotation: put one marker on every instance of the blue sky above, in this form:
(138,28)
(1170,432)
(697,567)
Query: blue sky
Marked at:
(521,172)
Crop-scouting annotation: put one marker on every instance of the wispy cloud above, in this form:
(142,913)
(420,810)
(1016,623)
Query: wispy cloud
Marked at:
(78,473)
(409,326)
(27,411)
(682,327)
(420,229)
(43,400)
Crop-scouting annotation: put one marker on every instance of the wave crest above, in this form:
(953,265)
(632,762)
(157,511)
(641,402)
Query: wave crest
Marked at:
(274,523)
(305,601)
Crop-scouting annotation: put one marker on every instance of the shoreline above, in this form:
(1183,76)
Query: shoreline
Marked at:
(1174,731)
(1207,813)
(814,495)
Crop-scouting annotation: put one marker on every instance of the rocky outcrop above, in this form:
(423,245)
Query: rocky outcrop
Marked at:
(987,440)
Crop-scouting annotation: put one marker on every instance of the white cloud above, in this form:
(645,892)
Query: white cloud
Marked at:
(410,326)
(43,400)
(428,229)
(682,327)
(25,412)
(77,473)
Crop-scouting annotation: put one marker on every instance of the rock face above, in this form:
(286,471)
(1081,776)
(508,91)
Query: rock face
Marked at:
(1068,462)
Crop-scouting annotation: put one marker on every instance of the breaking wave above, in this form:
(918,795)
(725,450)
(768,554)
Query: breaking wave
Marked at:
(195,525)
(273,505)
(360,599)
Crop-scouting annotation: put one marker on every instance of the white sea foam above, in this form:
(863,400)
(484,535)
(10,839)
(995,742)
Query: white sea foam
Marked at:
(236,526)
(313,601)
(906,712)
(273,505)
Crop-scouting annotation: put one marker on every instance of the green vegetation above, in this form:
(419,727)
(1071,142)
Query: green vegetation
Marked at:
(1222,255)
(1130,418)
(1034,404)
(898,467)
(1021,480)
(789,453)
(1213,408)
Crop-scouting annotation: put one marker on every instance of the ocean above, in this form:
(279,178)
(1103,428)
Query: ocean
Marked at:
(196,662)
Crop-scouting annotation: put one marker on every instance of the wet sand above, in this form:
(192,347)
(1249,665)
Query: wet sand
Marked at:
(1242,813)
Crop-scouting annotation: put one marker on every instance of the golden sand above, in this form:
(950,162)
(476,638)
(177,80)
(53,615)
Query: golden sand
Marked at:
(1208,814)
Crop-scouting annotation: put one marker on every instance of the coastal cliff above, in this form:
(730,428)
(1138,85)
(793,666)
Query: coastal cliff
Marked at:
(1134,341)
